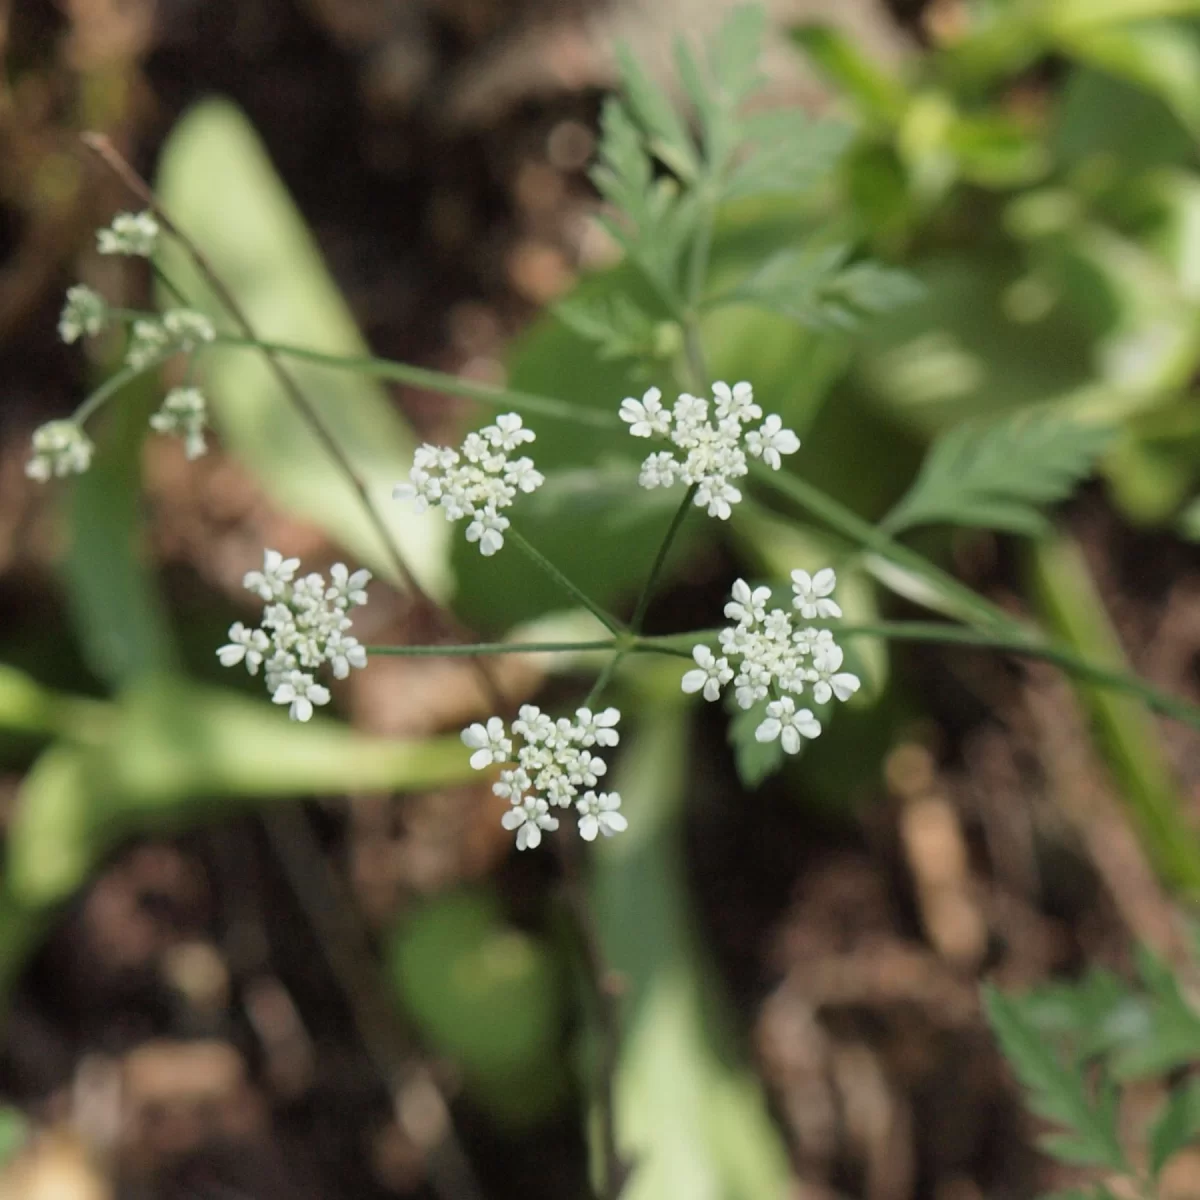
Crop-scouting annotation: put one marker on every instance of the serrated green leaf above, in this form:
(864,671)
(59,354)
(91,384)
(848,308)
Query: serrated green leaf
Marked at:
(1056,1091)
(669,138)
(816,288)
(1177,1125)
(789,153)
(995,475)
(1172,1038)
(619,327)
(734,53)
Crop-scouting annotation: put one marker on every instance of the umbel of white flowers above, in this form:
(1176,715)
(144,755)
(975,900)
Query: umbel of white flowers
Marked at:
(131,234)
(713,451)
(476,481)
(59,448)
(765,655)
(304,626)
(553,768)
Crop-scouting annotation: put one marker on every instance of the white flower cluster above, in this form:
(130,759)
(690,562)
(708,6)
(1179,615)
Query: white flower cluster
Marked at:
(59,448)
(134,234)
(178,329)
(85,313)
(553,765)
(477,482)
(184,414)
(764,654)
(303,627)
(714,453)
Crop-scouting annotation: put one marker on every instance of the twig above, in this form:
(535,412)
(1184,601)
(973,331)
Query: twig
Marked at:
(101,145)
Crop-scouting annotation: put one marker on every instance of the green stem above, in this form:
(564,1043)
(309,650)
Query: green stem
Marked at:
(452,650)
(435,381)
(942,633)
(536,556)
(170,285)
(602,680)
(643,601)
(969,606)
(108,389)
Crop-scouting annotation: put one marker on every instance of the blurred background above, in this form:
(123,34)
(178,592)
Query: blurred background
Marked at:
(242,960)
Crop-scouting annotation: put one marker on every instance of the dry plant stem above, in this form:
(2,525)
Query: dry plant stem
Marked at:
(606,997)
(347,949)
(102,147)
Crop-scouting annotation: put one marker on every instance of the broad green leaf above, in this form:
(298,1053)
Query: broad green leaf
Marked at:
(1177,1125)
(1163,57)
(997,475)
(691,1118)
(487,995)
(176,754)
(1071,608)
(216,180)
(1055,1091)
(115,606)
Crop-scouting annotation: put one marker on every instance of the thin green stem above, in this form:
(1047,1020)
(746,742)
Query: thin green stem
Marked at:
(660,559)
(434,381)
(469,650)
(169,284)
(1017,643)
(536,556)
(109,388)
(969,605)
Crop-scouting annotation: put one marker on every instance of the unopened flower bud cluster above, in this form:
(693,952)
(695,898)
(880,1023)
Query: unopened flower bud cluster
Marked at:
(184,414)
(59,448)
(178,329)
(478,481)
(714,448)
(553,768)
(131,234)
(304,627)
(765,655)
(85,314)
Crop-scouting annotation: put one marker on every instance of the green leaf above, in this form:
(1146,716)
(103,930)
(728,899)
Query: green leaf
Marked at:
(619,327)
(1055,1091)
(1177,1125)
(1172,1038)
(14,1132)
(487,995)
(754,761)
(876,94)
(789,152)
(669,138)
(996,475)
(217,181)
(175,754)
(816,288)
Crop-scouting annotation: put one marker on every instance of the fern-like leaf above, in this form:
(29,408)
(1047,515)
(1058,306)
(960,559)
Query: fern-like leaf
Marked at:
(997,475)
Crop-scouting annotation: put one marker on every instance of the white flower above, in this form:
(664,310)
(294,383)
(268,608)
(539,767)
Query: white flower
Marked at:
(85,313)
(245,645)
(598,729)
(184,414)
(711,674)
(304,627)
(712,451)
(513,784)
(272,581)
(533,725)
(788,725)
(300,691)
(813,592)
(148,342)
(646,417)
(477,483)
(489,743)
(737,401)
(129,234)
(59,448)
(186,328)
(771,440)
(827,681)
(747,607)
(598,814)
(529,818)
